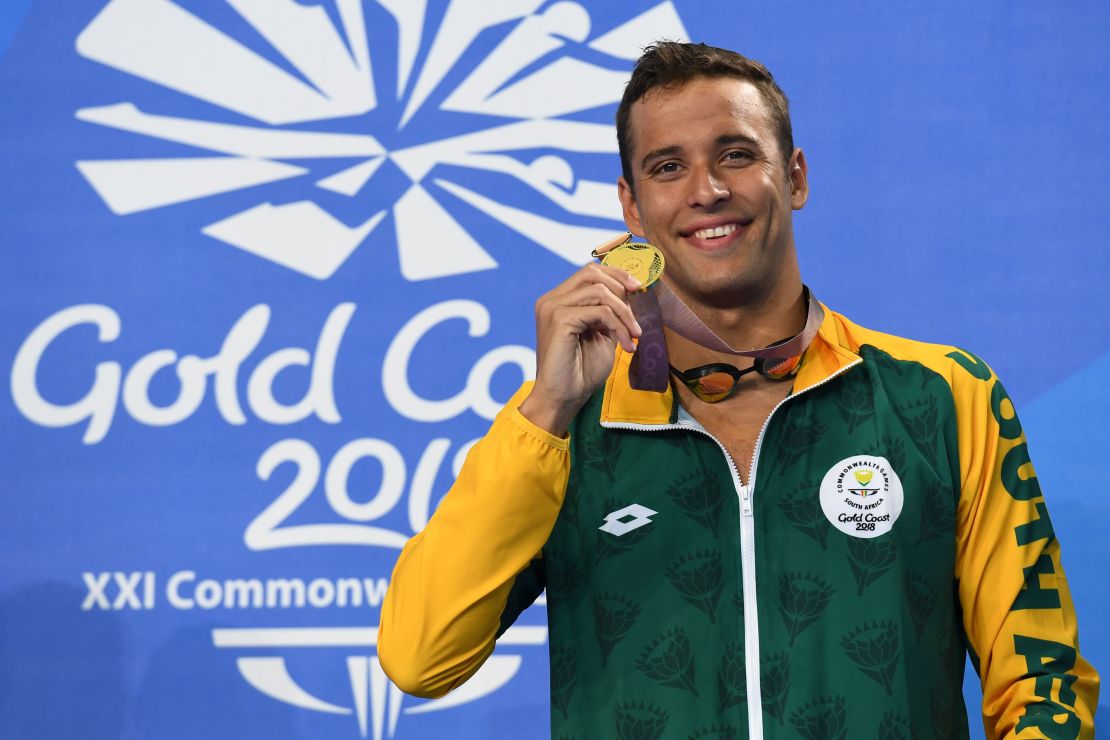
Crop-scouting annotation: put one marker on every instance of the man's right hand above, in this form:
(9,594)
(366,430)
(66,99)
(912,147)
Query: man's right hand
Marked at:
(577,327)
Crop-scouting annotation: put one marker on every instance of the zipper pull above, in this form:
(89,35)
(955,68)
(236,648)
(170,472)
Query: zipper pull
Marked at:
(746,499)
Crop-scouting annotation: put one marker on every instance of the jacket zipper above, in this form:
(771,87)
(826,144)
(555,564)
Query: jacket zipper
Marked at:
(747,566)
(747,546)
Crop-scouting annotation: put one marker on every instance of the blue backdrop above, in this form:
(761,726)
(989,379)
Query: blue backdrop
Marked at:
(271,265)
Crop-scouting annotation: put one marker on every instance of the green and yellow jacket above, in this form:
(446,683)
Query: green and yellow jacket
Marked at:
(890,520)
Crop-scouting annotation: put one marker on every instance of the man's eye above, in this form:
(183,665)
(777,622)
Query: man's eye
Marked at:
(667,168)
(738,155)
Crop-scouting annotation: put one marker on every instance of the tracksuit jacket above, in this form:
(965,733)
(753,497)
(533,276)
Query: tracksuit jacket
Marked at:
(890,520)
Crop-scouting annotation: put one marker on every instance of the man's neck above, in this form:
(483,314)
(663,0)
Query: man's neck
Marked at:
(779,315)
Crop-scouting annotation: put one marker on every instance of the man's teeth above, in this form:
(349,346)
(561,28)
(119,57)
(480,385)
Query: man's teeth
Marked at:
(715,232)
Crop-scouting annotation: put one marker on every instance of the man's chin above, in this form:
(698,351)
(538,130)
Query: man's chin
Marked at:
(724,291)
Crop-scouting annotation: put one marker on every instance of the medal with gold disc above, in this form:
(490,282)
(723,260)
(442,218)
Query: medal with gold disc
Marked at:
(640,260)
(648,368)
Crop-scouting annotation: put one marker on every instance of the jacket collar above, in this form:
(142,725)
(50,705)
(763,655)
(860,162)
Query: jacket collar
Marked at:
(828,354)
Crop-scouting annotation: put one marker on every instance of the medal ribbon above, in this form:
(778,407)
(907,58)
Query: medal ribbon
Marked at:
(657,306)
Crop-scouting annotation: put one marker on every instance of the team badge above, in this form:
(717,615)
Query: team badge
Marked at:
(862,496)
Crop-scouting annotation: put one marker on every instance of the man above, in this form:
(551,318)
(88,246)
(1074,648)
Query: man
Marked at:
(802,558)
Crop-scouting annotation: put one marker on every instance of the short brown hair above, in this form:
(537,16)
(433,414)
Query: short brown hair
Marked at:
(673,63)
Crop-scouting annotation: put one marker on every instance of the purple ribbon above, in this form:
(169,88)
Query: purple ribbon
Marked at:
(650,368)
(658,306)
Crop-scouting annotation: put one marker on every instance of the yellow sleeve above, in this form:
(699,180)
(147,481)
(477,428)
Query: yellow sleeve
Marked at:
(449,587)
(1017,609)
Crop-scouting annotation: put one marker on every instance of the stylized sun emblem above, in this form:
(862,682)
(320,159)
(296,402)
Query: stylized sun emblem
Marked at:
(297,88)
(863,476)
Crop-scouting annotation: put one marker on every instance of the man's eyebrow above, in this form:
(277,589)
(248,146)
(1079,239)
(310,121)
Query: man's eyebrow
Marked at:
(727,139)
(661,153)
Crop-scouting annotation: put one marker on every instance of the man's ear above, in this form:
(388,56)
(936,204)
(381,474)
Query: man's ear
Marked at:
(798,174)
(628,206)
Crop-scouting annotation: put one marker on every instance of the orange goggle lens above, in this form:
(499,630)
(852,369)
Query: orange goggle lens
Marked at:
(714,387)
(779,369)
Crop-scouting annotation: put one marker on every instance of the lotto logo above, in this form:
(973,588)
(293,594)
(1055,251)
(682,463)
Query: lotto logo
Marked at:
(623,521)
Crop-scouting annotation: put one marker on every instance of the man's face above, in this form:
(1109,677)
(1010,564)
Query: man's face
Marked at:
(712,191)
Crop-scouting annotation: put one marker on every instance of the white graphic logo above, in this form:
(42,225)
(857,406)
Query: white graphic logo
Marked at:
(862,496)
(304,139)
(375,703)
(311,66)
(623,521)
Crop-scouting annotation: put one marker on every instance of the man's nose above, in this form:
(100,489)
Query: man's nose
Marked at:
(706,188)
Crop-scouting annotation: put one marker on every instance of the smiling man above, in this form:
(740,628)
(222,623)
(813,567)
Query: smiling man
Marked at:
(781,547)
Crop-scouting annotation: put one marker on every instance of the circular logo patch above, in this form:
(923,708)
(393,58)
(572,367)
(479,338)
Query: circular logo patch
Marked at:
(862,496)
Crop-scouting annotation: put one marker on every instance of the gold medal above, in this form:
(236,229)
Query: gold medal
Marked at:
(642,261)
